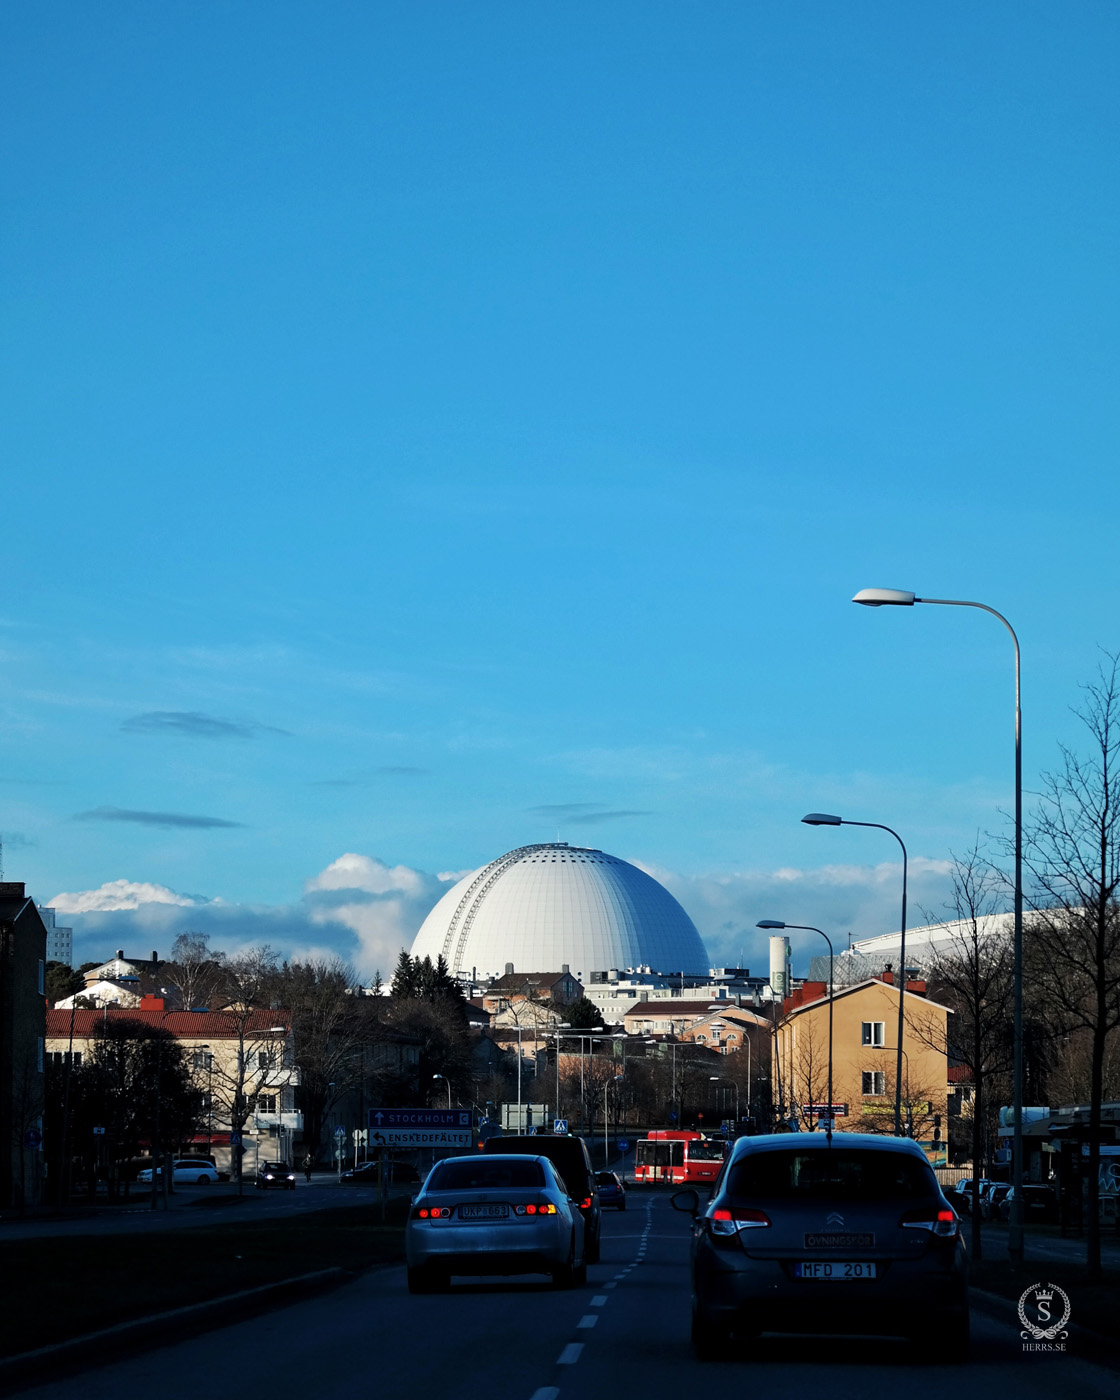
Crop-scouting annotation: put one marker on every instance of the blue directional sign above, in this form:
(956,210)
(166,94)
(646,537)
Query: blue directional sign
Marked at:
(623,1145)
(559,1125)
(32,1138)
(423,1118)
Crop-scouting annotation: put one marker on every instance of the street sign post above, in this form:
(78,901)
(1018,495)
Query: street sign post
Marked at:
(624,1145)
(420,1127)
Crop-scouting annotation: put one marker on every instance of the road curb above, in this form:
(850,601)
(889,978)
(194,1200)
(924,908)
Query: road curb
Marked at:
(49,1362)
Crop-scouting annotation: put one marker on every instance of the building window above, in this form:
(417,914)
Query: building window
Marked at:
(266,1103)
(874,1083)
(42,977)
(42,1049)
(874,1033)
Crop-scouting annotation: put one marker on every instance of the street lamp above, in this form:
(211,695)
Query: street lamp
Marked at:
(717,1078)
(895,597)
(808,928)
(448,1083)
(827,819)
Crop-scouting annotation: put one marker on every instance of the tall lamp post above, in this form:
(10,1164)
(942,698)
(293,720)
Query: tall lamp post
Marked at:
(827,819)
(900,598)
(808,928)
(726,1079)
(448,1083)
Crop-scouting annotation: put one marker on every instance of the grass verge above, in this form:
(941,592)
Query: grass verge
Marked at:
(64,1287)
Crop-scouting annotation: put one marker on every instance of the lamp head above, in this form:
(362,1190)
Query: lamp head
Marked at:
(822,819)
(769,923)
(885,597)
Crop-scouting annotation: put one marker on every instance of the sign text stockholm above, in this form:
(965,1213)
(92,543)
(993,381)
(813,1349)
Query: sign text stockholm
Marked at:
(460,1118)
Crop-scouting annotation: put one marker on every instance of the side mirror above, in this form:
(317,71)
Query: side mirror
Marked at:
(687,1201)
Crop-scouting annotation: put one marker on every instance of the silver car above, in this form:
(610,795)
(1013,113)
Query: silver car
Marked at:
(806,1233)
(491,1214)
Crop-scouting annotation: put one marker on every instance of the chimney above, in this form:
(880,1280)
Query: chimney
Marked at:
(120,954)
(888,974)
(509,969)
(155,958)
(12,889)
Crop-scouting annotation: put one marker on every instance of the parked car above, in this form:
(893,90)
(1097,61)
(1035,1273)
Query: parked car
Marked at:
(804,1234)
(1040,1204)
(275,1176)
(185,1172)
(369,1173)
(569,1155)
(492,1214)
(612,1191)
(990,1198)
(961,1202)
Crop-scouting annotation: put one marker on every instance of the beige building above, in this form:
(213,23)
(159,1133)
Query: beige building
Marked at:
(233,1056)
(864,1060)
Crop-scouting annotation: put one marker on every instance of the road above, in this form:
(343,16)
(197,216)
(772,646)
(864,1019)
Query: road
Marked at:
(624,1334)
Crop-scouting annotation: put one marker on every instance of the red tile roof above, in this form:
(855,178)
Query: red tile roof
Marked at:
(185,1025)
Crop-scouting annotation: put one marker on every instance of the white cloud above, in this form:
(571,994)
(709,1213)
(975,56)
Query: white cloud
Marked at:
(365,911)
(118,895)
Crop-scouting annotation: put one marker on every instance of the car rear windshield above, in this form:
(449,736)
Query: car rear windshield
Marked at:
(483,1175)
(833,1174)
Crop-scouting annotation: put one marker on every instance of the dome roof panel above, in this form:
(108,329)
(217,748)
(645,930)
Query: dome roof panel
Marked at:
(539,907)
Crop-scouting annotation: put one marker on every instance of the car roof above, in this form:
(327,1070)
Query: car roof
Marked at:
(823,1142)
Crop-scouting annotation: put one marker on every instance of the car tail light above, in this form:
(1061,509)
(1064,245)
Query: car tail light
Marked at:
(585,1204)
(942,1223)
(431,1213)
(731,1222)
(535,1208)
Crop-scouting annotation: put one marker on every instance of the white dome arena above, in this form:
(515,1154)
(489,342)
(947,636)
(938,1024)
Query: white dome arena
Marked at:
(539,907)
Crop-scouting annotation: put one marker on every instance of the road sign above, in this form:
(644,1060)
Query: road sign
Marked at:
(235,1139)
(623,1146)
(99,1132)
(359,1136)
(32,1138)
(420,1127)
(340,1132)
(559,1125)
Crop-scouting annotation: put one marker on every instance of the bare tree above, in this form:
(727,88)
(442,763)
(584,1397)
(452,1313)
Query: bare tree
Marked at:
(971,974)
(197,970)
(1072,853)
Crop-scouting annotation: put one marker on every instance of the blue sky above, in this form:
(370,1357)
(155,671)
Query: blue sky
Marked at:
(429,428)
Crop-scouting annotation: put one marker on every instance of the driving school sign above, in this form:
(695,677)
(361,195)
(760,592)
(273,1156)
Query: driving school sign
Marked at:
(420,1127)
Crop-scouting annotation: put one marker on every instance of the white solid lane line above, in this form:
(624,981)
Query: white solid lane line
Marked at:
(570,1355)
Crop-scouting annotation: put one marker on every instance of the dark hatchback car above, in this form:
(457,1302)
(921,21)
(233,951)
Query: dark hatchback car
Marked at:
(275,1176)
(369,1174)
(612,1192)
(1040,1204)
(569,1155)
(808,1234)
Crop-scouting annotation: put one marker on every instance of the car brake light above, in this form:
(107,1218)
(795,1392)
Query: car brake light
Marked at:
(585,1204)
(942,1223)
(730,1222)
(431,1213)
(535,1208)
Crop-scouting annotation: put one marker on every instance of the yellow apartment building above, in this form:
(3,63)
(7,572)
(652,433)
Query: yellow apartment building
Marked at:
(864,1062)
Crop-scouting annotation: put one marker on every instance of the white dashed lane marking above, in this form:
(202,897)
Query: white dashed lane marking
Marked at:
(546,1392)
(598,1300)
(588,1320)
(570,1355)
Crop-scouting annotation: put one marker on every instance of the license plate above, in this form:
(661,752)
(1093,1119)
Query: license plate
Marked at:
(833,1270)
(486,1212)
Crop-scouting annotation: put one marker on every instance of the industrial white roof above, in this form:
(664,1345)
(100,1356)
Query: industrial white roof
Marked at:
(540,907)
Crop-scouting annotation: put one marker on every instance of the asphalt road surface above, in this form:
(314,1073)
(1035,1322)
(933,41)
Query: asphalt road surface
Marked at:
(625,1334)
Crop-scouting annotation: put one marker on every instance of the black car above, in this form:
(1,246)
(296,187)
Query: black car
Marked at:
(275,1176)
(813,1233)
(569,1155)
(369,1173)
(612,1191)
(1040,1204)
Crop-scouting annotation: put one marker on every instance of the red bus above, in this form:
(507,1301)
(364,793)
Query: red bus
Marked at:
(677,1157)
